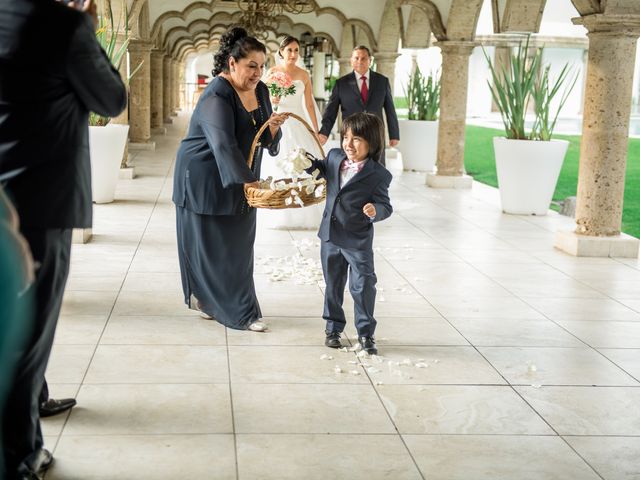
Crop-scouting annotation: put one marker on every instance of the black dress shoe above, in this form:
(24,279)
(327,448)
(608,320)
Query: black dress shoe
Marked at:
(368,344)
(54,407)
(332,340)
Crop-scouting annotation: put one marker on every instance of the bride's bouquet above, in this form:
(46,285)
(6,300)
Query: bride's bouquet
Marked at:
(280,84)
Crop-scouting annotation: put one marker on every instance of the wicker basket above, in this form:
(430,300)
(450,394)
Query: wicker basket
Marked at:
(276,199)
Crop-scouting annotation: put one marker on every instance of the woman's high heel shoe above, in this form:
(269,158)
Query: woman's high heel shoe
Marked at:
(198,305)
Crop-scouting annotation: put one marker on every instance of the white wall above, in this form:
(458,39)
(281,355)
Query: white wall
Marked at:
(557,58)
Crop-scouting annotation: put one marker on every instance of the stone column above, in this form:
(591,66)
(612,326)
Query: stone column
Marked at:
(157,91)
(175,81)
(123,118)
(453,110)
(166,89)
(140,92)
(182,88)
(345,66)
(605,135)
(386,65)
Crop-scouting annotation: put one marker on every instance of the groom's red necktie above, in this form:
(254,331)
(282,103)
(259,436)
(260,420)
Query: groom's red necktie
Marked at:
(364,91)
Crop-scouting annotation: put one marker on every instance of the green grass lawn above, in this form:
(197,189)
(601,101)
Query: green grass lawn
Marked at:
(480,164)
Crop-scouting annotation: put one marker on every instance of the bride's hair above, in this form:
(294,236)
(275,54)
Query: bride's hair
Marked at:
(287,41)
(235,43)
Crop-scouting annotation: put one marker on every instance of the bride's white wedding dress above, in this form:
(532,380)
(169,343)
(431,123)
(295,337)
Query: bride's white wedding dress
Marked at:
(294,135)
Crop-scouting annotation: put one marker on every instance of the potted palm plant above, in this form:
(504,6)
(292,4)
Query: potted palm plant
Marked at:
(419,133)
(107,140)
(528,163)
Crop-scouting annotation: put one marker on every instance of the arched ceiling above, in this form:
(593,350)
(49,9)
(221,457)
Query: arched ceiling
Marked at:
(182,27)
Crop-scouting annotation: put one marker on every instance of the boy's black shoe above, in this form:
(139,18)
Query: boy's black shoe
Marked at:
(332,340)
(368,344)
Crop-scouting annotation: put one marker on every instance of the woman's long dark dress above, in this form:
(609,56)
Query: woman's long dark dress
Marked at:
(215,226)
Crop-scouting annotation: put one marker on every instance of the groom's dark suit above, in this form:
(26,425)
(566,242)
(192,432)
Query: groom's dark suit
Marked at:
(347,96)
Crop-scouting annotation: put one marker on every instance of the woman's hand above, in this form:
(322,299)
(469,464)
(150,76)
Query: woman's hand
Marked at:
(275,100)
(252,185)
(275,121)
(369,210)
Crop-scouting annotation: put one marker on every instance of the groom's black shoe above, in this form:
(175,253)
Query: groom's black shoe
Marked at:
(53,407)
(368,344)
(332,340)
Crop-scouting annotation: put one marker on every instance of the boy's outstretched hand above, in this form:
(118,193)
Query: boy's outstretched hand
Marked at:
(369,210)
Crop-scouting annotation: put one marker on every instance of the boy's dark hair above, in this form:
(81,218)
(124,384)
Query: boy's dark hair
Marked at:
(369,127)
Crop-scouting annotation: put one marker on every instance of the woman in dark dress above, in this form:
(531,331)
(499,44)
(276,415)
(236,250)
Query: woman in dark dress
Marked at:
(215,226)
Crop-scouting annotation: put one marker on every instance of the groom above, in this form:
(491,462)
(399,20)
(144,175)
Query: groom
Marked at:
(361,91)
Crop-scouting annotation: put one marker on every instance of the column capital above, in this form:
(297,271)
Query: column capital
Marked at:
(157,52)
(614,25)
(455,47)
(386,56)
(139,46)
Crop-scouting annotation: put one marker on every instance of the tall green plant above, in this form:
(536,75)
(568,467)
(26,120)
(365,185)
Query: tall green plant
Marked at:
(108,35)
(511,88)
(423,96)
(543,92)
(526,79)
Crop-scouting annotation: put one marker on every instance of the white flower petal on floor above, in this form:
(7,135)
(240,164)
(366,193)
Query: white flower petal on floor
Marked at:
(337,369)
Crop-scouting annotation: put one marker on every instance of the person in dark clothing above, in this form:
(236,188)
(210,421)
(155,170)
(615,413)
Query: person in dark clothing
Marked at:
(52,73)
(216,228)
(357,196)
(362,90)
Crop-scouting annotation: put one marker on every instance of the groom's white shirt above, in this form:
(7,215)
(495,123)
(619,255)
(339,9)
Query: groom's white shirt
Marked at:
(359,79)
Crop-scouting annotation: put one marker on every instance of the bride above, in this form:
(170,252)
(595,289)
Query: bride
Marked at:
(294,134)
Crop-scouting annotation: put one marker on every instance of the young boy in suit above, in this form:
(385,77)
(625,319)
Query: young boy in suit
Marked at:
(357,196)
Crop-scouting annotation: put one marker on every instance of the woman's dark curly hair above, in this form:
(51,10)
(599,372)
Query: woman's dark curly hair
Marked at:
(287,41)
(235,43)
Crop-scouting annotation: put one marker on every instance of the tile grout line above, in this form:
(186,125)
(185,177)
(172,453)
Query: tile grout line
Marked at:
(233,418)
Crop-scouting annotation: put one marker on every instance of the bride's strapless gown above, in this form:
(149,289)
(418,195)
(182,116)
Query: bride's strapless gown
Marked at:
(294,135)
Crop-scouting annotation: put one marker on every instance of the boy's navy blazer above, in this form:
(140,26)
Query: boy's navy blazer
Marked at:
(343,221)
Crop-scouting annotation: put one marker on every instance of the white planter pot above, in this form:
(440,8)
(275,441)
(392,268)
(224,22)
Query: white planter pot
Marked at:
(106,146)
(528,171)
(418,144)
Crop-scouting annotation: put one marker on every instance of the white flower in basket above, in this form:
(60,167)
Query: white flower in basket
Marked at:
(294,165)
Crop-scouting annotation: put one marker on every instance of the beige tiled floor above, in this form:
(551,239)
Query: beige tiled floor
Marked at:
(502,357)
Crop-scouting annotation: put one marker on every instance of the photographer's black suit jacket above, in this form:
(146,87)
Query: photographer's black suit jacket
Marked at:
(346,95)
(52,73)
